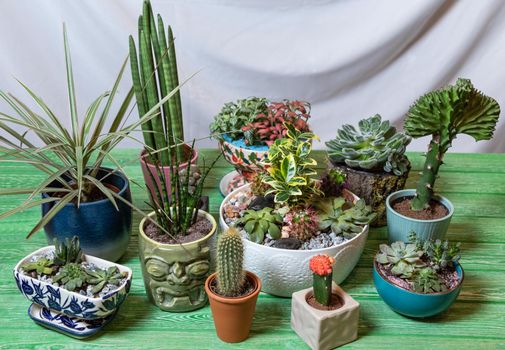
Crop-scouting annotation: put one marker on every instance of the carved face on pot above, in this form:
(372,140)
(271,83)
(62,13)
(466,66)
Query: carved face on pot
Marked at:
(176,277)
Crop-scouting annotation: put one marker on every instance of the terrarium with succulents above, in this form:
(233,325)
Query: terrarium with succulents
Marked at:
(248,127)
(420,267)
(288,206)
(373,158)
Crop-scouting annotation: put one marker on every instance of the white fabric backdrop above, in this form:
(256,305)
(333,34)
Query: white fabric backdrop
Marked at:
(350,59)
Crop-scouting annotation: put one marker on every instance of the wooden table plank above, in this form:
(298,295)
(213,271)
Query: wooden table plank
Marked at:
(474,182)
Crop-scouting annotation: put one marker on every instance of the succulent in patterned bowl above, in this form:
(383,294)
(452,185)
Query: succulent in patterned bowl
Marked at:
(90,300)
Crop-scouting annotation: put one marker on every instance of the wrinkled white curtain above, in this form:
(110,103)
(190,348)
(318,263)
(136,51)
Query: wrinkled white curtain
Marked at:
(350,59)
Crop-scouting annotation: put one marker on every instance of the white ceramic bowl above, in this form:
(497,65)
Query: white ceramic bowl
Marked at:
(283,271)
(71,303)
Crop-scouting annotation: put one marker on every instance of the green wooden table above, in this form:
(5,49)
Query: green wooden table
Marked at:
(475,183)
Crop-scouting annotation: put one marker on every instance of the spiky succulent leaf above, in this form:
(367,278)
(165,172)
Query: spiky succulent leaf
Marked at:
(428,281)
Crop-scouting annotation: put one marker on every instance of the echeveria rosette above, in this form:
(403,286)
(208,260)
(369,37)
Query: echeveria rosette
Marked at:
(374,146)
(322,271)
(403,258)
(445,113)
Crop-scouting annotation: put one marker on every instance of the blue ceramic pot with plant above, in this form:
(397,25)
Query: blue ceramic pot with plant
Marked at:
(415,304)
(103,231)
(401,226)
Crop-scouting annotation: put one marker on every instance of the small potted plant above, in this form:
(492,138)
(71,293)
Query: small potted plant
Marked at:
(156,87)
(232,291)
(324,316)
(71,292)
(246,129)
(289,215)
(443,114)
(419,278)
(372,156)
(79,195)
(174,241)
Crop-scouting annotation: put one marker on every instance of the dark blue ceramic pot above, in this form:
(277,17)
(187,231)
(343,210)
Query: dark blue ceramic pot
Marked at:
(415,304)
(103,231)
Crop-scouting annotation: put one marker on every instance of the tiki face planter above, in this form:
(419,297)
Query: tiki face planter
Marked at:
(324,316)
(373,159)
(443,114)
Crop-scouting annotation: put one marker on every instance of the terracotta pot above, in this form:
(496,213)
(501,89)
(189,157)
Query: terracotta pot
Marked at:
(151,168)
(174,274)
(233,316)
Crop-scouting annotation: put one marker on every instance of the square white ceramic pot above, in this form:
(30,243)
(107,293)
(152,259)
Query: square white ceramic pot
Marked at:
(323,330)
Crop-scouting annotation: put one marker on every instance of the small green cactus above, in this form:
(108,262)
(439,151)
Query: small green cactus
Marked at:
(230,259)
(100,278)
(67,251)
(41,266)
(348,222)
(71,276)
(427,281)
(375,146)
(404,258)
(258,223)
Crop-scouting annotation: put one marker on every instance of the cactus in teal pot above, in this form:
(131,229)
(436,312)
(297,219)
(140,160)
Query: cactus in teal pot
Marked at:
(230,259)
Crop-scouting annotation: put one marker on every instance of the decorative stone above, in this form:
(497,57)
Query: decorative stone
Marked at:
(288,243)
(322,329)
(261,202)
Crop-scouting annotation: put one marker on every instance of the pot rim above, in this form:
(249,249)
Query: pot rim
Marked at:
(122,190)
(439,198)
(298,251)
(230,141)
(16,270)
(460,282)
(233,300)
(205,238)
(185,164)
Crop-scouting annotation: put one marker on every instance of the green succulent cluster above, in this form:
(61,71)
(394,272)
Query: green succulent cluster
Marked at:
(445,113)
(67,251)
(71,276)
(100,278)
(441,254)
(344,218)
(230,259)
(291,169)
(235,115)
(41,266)
(332,183)
(374,146)
(258,223)
(404,258)
(427,281)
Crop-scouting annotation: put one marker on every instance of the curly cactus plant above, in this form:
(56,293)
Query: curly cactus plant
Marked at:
(100,278)
(230,273)
(403,258)
(375,146)
(258,223)
(322,271)
(348,222)
(445,113)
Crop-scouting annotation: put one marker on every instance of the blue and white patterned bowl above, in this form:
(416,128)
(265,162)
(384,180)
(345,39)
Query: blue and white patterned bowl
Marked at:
(71,303)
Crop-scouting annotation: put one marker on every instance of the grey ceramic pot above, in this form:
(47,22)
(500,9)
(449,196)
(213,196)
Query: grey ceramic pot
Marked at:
(400,226)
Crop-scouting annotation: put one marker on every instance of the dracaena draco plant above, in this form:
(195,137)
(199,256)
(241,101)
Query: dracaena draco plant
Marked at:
(71,159)
(155,76)
(290,169)
(374,146)
(443,114)
(176,207)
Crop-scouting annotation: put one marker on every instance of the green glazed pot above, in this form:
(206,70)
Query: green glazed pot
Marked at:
(400,226)
(175,274)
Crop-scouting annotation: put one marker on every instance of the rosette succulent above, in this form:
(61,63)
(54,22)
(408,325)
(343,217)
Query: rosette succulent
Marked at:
(71,276)
(41,266)
(427,281)
(404,258)
(258,223)
(100,278)
(374,146)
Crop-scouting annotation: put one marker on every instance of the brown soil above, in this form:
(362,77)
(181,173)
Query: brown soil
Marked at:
(436,210)
(198,230)
(94,196)
(335,302)
(449,276)
(248,288)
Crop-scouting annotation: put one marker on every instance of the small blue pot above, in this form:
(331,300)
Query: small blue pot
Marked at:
(400,226)
(415,304)
(103,231)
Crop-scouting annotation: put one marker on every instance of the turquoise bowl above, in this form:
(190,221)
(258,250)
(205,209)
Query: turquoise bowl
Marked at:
(400,226)
(415,304)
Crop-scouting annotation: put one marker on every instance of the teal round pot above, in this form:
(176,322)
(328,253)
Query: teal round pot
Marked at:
(400,226)
(415,304)
(103,231)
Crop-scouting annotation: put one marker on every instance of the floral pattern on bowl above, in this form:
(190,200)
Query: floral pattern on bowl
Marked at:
(246,160)
(71,303)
